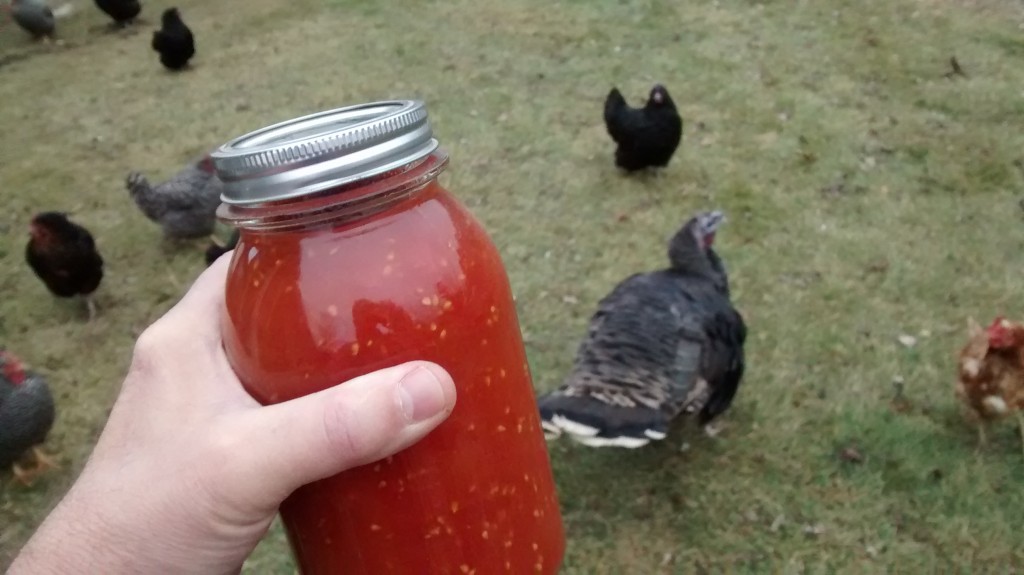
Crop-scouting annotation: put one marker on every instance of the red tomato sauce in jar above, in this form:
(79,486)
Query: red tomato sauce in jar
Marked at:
(372,274)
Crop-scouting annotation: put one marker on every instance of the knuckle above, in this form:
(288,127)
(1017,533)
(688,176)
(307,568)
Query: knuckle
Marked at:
(147,349)
(159,343)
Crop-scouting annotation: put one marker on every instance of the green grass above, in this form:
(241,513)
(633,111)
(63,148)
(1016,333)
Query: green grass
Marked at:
(869,196)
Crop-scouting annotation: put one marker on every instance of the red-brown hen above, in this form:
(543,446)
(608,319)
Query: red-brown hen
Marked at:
(991,373)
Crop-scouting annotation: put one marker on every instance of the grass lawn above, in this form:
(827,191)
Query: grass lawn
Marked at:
(869,195)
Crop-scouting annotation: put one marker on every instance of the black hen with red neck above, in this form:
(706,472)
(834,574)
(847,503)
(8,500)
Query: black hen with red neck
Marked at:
(662,344)
(63,254)
(26,416)
(647,137)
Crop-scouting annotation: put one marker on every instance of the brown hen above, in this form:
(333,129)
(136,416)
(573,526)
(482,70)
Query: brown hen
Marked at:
(991,373)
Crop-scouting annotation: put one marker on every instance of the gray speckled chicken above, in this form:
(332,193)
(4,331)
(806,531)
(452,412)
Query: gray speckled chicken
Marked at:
(26,416)
(661,344)
(34,16)
(185,206)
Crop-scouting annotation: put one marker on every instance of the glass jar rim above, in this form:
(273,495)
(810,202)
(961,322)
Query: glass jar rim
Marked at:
(348,201)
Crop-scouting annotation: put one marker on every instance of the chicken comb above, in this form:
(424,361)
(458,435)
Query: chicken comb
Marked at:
(998,334)
(11,368)
(997,323)
(996,327)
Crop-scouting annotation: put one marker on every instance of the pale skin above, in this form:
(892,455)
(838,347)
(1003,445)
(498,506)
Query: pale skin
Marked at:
(190,470)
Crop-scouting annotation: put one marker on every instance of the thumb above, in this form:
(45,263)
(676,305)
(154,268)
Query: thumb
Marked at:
(362,420)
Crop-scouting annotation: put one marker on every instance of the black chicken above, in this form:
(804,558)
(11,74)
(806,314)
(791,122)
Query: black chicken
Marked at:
(174,41)
(646,137)
(661,344)
(63,255)
(123,12)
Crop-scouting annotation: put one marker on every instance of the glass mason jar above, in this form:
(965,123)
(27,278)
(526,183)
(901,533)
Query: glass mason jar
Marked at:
(352,258)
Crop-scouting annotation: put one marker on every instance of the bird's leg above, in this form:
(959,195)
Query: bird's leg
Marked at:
(91,306)
(1020,423)
(173,279)
(712,431)
(982,438)
(24,476)
(43,460)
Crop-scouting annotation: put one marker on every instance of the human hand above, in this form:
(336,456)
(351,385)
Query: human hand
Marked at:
(189,470)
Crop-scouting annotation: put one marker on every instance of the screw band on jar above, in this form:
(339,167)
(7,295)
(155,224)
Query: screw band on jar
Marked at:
(305,155)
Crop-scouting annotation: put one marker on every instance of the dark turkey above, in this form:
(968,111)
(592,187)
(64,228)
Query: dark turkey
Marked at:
(26,416)
(661,344)
(646,137)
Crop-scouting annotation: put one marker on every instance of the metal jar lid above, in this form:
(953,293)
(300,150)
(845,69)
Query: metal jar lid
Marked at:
(324,150)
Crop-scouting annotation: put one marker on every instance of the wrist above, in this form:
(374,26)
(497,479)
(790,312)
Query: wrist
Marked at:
(71,540)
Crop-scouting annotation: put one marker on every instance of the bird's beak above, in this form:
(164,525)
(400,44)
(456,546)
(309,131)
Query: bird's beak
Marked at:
(713,221)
